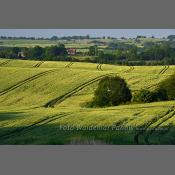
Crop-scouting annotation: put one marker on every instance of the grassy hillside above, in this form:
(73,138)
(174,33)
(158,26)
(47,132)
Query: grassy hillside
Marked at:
(38,98)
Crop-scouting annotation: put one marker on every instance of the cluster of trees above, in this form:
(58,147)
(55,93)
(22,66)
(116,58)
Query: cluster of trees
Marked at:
(57,52)
(9,52)
(113,91)
(171,37)
(132,55)
(156,54)
(147,96)
(165,91)
(76,37)
(93,51)
(22,38)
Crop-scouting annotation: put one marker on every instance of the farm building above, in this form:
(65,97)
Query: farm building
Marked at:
(71,51)
(21,55)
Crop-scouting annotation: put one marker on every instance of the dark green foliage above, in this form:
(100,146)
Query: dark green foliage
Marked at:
(164,91)
(132,53)
(106,58)
(9,52)
(54,51)
(119,46)
(168,87)
(34,53)
(93,50)
(157,52)
(112,91)
(144,96)
(57,52)
(54,38)
(153,53)
(161,95)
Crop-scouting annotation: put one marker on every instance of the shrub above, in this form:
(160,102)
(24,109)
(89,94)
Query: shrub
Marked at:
(112,91)
(144,96)
(167,88)
(161,94)
(147,96)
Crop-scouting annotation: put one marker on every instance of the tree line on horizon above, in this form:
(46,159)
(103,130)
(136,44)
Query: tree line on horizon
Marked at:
(170,37)
(156,54)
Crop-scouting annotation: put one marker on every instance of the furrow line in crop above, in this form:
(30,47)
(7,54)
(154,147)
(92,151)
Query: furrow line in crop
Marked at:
(19,84)
(34,125)
(4,63)
(147,125)
(151,131)
(38,64)
(61,98)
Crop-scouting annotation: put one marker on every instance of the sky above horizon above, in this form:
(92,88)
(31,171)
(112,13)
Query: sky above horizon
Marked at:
(128,33)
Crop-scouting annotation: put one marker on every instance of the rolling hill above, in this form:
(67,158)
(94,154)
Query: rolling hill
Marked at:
(45,103)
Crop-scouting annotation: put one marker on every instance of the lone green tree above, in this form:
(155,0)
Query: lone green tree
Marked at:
(112,91)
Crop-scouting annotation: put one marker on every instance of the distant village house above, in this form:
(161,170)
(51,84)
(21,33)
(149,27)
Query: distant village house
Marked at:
(21,55)
(71,51)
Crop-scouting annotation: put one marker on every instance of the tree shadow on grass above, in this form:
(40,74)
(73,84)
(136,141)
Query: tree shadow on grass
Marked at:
(10,115)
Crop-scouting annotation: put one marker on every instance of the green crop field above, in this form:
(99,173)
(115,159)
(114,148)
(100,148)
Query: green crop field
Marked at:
(46,103)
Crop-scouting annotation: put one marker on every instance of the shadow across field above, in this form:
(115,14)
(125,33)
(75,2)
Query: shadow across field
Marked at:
(10,115)
(52,134)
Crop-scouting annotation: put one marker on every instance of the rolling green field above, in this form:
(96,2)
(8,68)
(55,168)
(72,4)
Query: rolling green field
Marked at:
(46,103)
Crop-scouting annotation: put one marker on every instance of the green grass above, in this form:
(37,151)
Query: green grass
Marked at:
(25,89)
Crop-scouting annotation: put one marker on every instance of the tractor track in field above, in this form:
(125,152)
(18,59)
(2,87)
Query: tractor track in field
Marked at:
(160,73)
(33,126)
(19,84)
(38,64)
(99,67)
(5,62)
(63,97)
(164,119)
(164,70)
(147,125)
(69,65)
(131,68)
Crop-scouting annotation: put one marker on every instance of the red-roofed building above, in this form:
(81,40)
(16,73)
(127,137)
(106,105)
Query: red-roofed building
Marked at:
(71,51)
